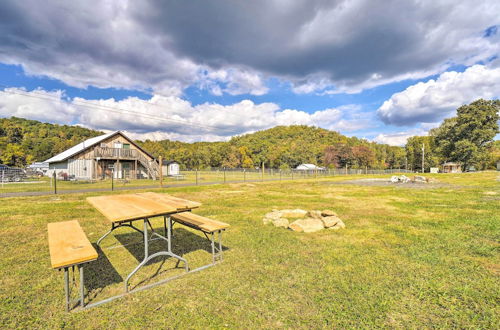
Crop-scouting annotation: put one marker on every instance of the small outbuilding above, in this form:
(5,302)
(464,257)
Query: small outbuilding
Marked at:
(170,168)
(39,167)
(450,167)
(309,167)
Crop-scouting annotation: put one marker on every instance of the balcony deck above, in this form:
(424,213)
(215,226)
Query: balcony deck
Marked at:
(116,153)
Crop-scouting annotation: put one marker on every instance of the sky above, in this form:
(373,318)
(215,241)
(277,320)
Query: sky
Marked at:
(209,70)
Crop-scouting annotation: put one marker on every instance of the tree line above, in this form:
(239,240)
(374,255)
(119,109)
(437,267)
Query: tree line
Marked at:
(281,147)
(467,139)
(25,141)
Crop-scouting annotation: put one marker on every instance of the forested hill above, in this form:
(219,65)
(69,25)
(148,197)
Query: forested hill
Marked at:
(281,147)
(24,141)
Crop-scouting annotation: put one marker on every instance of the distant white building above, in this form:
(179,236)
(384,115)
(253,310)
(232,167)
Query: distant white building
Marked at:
(39,167)
(170,168)
(309,167)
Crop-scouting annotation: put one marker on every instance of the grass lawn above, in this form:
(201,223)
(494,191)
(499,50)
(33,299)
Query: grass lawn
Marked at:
(45,184)
(409,258)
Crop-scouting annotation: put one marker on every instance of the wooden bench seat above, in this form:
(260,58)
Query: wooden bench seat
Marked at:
(69,247)
(68,244)
(198,222)
(206,226)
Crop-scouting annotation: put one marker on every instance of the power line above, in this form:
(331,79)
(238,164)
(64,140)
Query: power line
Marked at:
(115,109)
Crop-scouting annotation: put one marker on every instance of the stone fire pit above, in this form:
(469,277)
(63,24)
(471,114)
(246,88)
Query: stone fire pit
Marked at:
(304,221)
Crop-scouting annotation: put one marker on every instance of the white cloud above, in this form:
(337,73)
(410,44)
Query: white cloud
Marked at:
(44,106)
(232,81)
(170,116)
(317,46)
(399,138)
(431,101)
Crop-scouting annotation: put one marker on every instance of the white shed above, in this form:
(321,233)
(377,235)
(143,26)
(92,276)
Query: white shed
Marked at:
(170,168)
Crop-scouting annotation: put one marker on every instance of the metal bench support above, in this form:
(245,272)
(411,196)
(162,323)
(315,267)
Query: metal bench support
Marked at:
(67,291)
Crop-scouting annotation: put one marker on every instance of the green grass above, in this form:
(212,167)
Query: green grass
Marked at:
(409,258)
(45,184)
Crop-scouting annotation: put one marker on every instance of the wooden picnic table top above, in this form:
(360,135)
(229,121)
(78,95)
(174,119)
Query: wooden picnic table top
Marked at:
(126,207)
(68,244)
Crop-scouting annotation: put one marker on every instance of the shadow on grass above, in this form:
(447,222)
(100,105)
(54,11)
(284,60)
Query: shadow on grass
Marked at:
(183,242)
(100,273)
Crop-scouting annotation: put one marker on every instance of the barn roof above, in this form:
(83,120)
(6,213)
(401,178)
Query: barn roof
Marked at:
(87,144)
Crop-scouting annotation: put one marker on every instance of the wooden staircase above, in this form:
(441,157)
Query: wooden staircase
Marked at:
(150,165)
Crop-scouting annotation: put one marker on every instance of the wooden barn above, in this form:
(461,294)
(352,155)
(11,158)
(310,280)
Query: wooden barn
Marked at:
(102,156)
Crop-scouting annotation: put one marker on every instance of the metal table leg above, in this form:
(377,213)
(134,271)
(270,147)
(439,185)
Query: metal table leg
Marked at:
(220,244)
(148,257)
(82,288)
(66,288)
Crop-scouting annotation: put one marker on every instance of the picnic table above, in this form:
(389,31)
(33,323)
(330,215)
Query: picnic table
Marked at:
(69,246)
(125,210)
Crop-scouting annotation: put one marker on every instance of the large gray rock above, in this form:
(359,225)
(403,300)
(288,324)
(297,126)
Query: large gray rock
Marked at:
(315,214)
(328,213)
(281,222)
(308,225)
(339,225)
(293,214)
(420,178)
(330,221)
(402,178)
(273,215)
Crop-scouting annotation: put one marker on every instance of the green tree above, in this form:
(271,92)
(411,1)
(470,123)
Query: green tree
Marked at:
(467,138)
(13,155)
(414,153)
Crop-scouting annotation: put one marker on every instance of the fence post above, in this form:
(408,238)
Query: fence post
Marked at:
(262,175)
(113,179)
(224,175)
(292,173)
(244,175)
(161,171)
(3,177)
(280,174)
(55,182)
(196,176)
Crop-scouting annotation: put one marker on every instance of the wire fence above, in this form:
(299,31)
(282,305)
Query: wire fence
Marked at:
(43,185)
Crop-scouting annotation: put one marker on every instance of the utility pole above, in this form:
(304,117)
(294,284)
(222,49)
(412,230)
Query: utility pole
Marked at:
(423,157)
